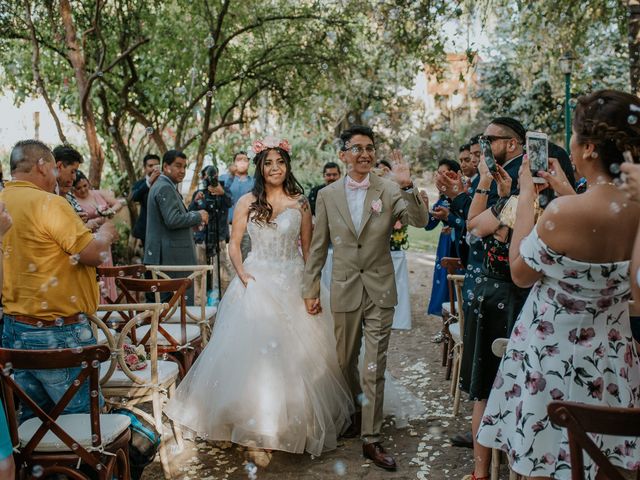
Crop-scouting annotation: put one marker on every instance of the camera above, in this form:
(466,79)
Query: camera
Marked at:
(210,178)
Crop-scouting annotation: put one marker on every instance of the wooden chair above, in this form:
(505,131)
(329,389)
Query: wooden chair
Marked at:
(124,388)
(449,310)
(179,341)
(200,314)
(58,443)
(122,271)
(580,419)
(456,331)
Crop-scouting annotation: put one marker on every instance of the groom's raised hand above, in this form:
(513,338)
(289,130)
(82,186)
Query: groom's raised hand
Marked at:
(313,306)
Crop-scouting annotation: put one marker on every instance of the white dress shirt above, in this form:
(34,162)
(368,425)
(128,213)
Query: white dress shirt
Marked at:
(355,201)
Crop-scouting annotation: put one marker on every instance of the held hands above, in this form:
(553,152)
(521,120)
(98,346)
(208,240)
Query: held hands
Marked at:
(154,176)
(313,306)
(245,277)
(525,180)
(440,213)
(400,169)
(631,183)
(503,182)
(204,215)
(556,178)
(218,190)
(450,184)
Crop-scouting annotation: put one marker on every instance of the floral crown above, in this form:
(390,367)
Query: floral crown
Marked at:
(271,142)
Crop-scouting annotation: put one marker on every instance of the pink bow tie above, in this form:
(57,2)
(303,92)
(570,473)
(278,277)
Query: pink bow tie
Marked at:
(353,185)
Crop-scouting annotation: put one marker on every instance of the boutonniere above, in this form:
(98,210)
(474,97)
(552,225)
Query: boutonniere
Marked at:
(376,206)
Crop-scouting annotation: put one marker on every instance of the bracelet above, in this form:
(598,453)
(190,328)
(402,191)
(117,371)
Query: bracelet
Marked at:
(482,191)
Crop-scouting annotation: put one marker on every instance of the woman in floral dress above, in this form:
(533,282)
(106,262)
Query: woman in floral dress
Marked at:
(572,340)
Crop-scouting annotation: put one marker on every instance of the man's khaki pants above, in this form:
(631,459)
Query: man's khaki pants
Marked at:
(374,323)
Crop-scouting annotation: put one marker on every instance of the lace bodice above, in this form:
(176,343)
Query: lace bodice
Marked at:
(278,241)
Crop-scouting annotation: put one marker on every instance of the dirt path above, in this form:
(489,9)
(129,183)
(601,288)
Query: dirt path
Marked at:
(422,450)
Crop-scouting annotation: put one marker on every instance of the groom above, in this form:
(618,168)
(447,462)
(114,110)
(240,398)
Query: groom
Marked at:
(356,216)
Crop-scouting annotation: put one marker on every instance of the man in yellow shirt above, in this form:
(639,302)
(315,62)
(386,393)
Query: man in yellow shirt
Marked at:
(50,281)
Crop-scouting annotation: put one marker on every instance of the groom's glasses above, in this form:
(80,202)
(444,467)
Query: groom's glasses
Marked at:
(359,150)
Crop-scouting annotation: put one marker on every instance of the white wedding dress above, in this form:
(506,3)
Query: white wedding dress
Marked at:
(269,377)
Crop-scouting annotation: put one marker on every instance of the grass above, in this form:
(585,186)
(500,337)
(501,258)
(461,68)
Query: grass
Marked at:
(423,240)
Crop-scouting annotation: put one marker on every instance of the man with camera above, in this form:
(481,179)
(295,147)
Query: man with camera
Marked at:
(211,239)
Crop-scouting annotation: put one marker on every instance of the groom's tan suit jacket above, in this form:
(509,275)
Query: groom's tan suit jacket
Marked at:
(361,259)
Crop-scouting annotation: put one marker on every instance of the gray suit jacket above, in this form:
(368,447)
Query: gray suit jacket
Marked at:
(169,238)
(361,260)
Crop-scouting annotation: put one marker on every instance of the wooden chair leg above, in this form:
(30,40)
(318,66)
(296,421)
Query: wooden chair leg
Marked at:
(495,464)
(445,350)
(456,398)
(450,345)
(164,459)
(177,430)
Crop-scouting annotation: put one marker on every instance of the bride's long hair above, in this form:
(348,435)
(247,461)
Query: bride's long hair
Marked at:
(260,211)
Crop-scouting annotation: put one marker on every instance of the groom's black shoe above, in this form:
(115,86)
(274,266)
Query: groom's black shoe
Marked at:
(375,452)
(355,428)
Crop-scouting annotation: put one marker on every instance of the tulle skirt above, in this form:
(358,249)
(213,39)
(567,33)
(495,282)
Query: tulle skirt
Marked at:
(269,377)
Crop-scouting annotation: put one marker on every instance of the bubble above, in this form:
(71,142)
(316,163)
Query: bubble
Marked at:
(100,73)
(371,367)
(73,299)
(74,446)
(181,90)
(39,324)
(500,306)
(53,281)
(470,295)
(362,399)
(251,422)
(345,49)
(496,285)
(325,66)
(149,130)
(615,207)
(154,288)
(77,350)
(32,268)
(37,471)
(84,365)
(76,382)
(615,168)
(340,468)
(95,438)
(210,42)
(74,259)
(59,322)
(594,154)
(549,225)
(44,305)
(95,364)
(632,119)
(337,240)
(478,280)
(94,393)
(99,467)
(209,93)
(6,370)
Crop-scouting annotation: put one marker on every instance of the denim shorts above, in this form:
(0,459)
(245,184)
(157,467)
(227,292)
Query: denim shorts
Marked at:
(46,387)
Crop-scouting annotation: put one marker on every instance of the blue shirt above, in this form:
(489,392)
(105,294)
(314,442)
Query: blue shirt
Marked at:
(237,188)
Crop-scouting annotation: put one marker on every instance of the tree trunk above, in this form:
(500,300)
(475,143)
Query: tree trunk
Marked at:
(76,57)
(634,45)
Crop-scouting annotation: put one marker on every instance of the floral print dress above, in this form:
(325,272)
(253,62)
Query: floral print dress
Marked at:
(571,342)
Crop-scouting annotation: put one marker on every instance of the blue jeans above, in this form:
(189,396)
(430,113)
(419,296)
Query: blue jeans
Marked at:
(46,387)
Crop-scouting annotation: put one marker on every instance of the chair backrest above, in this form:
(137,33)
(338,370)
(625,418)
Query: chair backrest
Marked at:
(452,265)
(580,419)
(179,288)
(89,359)
(122,271)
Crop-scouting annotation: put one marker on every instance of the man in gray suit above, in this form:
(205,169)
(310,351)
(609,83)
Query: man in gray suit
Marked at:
(169,240)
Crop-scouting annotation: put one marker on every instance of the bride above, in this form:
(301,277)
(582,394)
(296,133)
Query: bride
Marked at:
(269,377)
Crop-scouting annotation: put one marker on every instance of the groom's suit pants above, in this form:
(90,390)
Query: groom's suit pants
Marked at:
(374,323)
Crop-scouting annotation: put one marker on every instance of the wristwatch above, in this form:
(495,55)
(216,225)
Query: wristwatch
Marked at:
(408,188)
(483,191)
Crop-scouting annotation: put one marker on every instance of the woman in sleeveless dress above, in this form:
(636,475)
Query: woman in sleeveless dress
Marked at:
(269,377)
(572,340)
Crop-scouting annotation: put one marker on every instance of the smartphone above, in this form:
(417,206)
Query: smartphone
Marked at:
(538,153)
(485,147)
